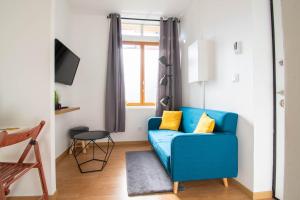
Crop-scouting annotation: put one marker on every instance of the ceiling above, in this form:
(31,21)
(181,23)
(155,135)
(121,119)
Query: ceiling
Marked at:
(133,8)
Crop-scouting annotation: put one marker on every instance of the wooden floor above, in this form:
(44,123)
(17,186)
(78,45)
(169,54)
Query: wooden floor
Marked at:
(110,184)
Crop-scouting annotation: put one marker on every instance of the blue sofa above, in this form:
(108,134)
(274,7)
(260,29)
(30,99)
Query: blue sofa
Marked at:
(187,156)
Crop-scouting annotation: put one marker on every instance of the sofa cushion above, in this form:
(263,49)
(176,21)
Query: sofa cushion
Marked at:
(161,142)
(205,124)
(163,135)
(225,121)
(170,120)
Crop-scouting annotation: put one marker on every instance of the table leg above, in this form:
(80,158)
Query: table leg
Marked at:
(104,161)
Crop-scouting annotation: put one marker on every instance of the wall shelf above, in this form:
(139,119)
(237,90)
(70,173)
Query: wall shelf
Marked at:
(66,110)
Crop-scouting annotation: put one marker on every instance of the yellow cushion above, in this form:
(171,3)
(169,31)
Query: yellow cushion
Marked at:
(171,120)
(205,124)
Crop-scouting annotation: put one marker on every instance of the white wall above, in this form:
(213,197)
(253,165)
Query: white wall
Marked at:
(63,122)
(136,124)
(262,96)
(226,22)
(86,34)
(62,20)
(291,29)
(26,83)
(89,39)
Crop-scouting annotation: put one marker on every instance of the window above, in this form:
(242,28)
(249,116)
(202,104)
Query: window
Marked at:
(151,30)
(140,56)
(131,29)
(140,72)
(141,30)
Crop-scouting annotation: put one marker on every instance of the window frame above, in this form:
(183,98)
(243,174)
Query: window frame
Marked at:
(142,45)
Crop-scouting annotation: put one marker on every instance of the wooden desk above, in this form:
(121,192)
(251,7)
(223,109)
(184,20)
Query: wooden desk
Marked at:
(66,110)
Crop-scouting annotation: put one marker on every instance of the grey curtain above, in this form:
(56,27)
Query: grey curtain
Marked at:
(169,47)
(115,90)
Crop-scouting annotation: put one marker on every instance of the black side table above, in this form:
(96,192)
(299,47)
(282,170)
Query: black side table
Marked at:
(92,136)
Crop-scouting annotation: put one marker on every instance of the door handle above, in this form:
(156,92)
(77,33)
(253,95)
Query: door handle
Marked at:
(281,103)
(281,62)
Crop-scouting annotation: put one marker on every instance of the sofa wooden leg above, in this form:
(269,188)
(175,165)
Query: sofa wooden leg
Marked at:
(225,182)
(175,187)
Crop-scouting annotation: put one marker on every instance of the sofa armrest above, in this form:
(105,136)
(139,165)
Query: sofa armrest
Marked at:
(154,123)
(204,156)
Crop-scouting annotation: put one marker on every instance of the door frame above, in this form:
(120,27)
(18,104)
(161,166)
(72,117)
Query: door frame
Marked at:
(274,99)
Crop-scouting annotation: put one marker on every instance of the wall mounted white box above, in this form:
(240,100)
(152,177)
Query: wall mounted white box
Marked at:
(200,61)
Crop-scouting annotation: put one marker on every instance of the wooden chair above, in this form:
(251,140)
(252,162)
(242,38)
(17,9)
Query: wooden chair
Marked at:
(10,172)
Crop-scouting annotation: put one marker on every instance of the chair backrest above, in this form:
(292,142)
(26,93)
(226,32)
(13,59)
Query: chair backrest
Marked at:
(14,138)
(225,121)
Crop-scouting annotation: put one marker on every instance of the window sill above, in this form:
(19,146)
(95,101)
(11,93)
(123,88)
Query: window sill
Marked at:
(140,107)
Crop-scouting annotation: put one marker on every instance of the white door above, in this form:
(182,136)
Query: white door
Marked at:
(279,99)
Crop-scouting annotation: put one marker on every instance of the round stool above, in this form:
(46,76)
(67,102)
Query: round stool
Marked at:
(75,131)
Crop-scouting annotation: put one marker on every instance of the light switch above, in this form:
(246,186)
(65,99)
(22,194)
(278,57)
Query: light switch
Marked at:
(235,78)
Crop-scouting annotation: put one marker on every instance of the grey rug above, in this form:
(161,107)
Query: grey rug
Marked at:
(145,174)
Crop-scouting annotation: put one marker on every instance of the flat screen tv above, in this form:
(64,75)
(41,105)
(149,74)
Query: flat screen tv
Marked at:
(66,64)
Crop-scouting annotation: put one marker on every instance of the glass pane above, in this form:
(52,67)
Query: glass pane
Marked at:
(151,73)
(131,29)
(132,63)
(151,30)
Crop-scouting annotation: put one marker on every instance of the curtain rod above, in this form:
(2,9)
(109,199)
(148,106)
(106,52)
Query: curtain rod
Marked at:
(140,19)
(153,20)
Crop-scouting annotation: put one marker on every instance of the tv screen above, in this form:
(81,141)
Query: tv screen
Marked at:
(66,63)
